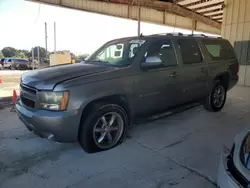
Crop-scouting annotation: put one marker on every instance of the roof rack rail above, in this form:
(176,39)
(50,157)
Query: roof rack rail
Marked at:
(174,34)
(198,35)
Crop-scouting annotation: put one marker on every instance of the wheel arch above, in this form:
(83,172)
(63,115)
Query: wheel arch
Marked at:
(224,78)
(121,100)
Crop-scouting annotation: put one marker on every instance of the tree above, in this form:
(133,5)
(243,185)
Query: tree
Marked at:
(42,52)
(21,55)
(26,53)
(73,56)
(83,56)
(1,55)
(9,51)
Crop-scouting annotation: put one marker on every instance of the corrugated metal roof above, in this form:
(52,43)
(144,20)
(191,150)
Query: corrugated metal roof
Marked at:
(213,9)
(199,15)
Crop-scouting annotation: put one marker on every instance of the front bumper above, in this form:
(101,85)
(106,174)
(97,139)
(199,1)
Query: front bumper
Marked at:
(60,126)
(224,177)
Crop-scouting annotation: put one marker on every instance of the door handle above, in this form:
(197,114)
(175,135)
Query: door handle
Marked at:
(173,74)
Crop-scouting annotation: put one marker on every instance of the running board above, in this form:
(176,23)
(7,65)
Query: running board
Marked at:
(167,113)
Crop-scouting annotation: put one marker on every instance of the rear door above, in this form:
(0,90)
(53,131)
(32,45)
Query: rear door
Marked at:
(194,70)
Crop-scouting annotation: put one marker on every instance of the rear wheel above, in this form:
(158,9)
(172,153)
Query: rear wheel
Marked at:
(22,67)
(104,127)
(217,97)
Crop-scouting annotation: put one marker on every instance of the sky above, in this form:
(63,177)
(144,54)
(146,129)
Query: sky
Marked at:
(22,27)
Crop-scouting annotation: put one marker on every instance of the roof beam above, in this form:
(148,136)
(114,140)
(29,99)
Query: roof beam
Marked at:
(209,9)
(171,7)
(214,13)
(207,3)
(187,2)
(217,17)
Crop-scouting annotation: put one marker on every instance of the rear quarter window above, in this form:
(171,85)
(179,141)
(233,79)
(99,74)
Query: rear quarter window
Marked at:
(219,49)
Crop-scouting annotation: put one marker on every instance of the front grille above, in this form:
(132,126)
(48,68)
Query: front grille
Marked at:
(28,96)
(27,89)
(27,102)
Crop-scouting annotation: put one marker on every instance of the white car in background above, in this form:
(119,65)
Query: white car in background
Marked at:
(234,166)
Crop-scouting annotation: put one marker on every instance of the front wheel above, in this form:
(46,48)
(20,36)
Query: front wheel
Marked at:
(12,67)
(217,97)
(104,127)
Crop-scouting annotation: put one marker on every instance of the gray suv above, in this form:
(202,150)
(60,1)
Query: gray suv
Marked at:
(93,102)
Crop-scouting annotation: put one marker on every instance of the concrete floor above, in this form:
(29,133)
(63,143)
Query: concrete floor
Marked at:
(180,151)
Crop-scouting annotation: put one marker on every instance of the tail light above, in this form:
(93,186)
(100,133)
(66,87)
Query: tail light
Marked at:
(238,68)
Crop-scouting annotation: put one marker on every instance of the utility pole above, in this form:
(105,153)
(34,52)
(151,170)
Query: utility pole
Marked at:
(46,38)
(55,41)
(38,55)
(33,59)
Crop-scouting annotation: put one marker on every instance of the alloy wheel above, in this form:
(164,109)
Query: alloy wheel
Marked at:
(218,96)
(108,130)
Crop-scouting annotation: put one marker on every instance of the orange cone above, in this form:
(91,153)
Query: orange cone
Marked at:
(1,80)
(14,97)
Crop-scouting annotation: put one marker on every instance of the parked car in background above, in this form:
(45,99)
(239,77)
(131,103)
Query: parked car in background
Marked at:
(95,101)
(2,63)
(234,166)
(16,64)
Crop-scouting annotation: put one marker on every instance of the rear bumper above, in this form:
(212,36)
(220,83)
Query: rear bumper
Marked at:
(59,126)
(233,81)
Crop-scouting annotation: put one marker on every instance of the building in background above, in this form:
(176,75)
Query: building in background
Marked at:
(62,57)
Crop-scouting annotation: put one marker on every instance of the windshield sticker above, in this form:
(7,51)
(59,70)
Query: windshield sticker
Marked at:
(138,41)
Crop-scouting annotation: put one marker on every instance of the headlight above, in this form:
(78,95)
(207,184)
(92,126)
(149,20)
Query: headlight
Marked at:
(53,100)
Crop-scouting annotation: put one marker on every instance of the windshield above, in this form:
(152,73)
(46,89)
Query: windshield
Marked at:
(119,53)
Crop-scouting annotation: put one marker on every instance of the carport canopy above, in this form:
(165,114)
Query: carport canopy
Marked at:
(196,15)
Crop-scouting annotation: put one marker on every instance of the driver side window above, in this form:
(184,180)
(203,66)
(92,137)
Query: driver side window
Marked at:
(164,50)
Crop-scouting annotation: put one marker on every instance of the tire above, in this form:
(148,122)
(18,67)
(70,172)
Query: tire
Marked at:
(92,128)
(22,67)
(210,103)
(12,67)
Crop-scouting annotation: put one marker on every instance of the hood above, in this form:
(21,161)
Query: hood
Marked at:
(47,78)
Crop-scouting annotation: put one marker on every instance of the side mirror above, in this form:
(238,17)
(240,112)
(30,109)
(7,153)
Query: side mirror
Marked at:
(152,62)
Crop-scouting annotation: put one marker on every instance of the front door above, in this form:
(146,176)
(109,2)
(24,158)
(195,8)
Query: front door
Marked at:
(157,88)
(194,71)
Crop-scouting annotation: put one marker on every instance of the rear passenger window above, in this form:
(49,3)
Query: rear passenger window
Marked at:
(190,51)
(163,49)
(219,49)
